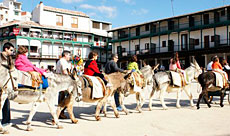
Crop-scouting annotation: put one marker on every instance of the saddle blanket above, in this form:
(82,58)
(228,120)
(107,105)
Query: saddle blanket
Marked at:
(137,82)
(98,86)
(177,78)
(33,79)
(219,79)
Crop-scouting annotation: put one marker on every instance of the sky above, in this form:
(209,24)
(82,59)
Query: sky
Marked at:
(127,12)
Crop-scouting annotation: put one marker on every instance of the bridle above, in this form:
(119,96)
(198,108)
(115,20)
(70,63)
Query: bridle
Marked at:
(10,79)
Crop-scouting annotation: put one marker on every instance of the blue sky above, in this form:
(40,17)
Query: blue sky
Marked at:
(126,12)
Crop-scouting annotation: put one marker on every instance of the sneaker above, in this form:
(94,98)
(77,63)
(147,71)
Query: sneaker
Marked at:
(109,85)
(119,108)
(7,124)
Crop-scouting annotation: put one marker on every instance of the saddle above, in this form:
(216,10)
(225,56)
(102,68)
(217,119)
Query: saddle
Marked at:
(95,83)
(177,79)
(220,79)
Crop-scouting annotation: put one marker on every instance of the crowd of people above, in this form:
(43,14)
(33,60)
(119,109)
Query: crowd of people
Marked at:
(90,67)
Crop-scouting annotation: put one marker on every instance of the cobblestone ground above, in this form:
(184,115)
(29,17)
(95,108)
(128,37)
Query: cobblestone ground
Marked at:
(185,121)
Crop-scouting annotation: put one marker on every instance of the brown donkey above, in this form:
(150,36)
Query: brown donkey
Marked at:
(116,79)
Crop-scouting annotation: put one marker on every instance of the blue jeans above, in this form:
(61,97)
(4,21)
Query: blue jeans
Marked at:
(6,112)
(116,98)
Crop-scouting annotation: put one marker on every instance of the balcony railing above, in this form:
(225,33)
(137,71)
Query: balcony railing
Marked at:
(173,48)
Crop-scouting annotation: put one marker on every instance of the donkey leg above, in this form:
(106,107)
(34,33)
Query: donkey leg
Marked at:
(189,94)
(113,105)
(51,106)
(150,99)
(162,94)
(32,112)
(121,100)
(105,108)
(198,102)
(178,99)
(69,101)
(99,105)
(222,99)
(206,99)
(138,102)
(70,111)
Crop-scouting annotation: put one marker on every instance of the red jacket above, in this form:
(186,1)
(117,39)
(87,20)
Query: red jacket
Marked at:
(91,67)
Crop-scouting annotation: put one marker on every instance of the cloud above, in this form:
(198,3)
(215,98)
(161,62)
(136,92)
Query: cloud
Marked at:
(71,1)
(109,11)
(131,2)
(139,12)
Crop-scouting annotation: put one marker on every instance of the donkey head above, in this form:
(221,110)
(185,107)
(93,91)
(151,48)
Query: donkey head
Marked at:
(78,93)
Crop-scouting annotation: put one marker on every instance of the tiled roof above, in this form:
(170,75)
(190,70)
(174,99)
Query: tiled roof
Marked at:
(65,11)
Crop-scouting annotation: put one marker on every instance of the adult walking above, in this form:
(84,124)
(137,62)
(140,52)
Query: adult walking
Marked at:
(62,67)
(111,67)
(8,49)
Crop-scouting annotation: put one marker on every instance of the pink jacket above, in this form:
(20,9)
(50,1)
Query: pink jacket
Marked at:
(22,63)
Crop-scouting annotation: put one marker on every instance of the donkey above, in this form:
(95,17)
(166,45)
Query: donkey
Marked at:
(57,82)
(128,88)
(162,83)
(116,79)
(207,81)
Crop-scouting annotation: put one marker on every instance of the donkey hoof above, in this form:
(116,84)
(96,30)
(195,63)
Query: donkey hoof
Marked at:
(165,108)
(178,107)
(53,122)
(98,118)
(5,132)
(150,109)
(75,121)
(198,108)
(117,115)
(221,105)
(209,106)
(59,127)
(29,129)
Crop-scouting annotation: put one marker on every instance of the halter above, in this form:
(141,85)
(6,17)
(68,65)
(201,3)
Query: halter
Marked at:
(12,82)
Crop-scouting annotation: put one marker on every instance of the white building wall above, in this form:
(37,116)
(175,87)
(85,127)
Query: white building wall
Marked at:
(196,35)
(209,32)
(143,42)
(222,31)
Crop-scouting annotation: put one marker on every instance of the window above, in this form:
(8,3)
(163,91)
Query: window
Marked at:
(6,12)
(59,20)
(163,43)
(74,22)
(196,41)
(105,26)
(16,13)
(222,13)
(96,25)
(147,46)
(147,27)
(2,17)
(137,47)
(6,19)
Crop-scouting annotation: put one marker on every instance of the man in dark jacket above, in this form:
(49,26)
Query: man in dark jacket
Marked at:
(112,67)
(8,50)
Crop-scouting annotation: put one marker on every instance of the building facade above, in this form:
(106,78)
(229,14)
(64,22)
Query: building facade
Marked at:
(53,30)
(199,35)
(10,10)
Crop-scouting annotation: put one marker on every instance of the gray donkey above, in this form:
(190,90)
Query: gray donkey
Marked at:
(57,83)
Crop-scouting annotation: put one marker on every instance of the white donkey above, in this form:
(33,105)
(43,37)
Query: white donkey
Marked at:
(56,82)
(162,83)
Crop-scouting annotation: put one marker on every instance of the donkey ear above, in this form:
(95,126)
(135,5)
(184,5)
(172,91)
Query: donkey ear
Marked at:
(192,64)
(68,71)
(196,64)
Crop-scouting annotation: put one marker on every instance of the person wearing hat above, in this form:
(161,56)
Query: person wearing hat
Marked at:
(111,67)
